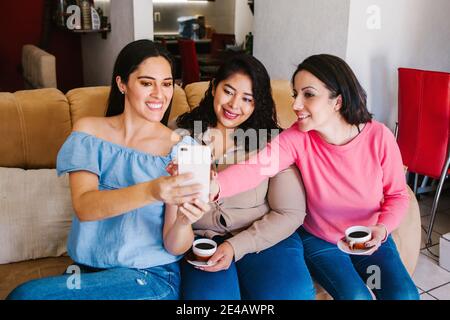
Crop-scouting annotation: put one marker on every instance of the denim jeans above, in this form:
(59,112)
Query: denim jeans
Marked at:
(347,277)
(156,283)
(278,272)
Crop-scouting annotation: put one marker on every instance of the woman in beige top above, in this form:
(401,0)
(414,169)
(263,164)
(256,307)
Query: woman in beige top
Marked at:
(259,255)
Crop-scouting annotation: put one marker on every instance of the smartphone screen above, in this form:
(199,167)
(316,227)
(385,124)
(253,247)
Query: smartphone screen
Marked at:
(197,160)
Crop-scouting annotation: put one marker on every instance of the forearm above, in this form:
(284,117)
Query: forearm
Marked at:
(101,204)
(179,238)
(249,174)
(393,210)
(395,192)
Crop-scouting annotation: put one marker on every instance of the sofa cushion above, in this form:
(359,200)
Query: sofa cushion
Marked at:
(35,214)
(93,101)
(14,274)
(179,103)
(87,102)
(36,123)
(195,93)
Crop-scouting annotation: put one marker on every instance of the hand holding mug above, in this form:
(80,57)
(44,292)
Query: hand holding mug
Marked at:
(221,260)
(365,238)
(379,234)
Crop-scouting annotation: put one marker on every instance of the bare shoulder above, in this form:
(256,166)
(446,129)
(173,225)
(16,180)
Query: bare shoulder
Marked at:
(90,125)
(168,134)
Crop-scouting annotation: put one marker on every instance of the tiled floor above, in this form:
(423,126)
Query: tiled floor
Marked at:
(433,281)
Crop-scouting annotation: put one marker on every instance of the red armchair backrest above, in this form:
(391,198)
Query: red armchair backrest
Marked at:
(190,70)
(423,120)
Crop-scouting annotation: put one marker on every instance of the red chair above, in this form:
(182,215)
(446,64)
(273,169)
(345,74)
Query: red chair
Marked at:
(424,127)
(190,70)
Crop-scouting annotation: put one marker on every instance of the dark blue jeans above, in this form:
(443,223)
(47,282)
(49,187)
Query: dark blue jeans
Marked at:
(278,272)
(347,277)
(156,283)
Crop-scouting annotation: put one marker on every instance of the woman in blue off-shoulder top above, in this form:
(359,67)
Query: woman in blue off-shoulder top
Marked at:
(119,185)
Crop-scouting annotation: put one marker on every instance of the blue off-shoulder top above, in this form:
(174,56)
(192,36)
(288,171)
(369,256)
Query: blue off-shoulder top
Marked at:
(133,239)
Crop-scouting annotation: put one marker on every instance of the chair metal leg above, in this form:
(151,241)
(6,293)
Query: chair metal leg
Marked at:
(424,182)
(436,199)
(416,180)
(396,130)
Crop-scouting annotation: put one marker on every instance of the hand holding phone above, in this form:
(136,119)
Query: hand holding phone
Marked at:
(196,159)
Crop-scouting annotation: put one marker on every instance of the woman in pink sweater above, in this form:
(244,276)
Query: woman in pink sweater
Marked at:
(353,175)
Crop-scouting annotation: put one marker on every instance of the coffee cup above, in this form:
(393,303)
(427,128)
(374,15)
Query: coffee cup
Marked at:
(204,249)
(357,236)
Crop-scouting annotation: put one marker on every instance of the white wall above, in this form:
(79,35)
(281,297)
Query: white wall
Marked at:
(288,31)
(243,22)
(143,19)
(130,20)
(100,54)
(413,33)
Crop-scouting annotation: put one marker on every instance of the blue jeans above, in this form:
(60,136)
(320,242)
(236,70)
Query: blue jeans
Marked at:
(345,276)
(156,283)
(278,272)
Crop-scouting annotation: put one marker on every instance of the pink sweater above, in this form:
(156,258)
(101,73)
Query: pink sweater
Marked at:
(359,183)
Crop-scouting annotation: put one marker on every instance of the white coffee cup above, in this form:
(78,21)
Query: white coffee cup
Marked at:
(357,236)
(204,254)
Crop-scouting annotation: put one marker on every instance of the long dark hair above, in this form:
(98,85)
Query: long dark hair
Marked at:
(128,60)
(263,117)
(339,78)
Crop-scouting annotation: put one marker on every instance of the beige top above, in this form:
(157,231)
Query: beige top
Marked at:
(259,218)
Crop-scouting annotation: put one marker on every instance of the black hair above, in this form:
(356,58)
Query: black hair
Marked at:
(128,60)
(339,78)
(263,117)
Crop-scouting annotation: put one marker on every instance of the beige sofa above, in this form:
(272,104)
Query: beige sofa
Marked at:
(35,206)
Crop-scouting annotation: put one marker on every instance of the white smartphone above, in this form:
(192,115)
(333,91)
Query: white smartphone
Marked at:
(197,160)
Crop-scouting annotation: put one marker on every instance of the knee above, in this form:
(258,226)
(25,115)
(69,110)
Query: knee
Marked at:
(306,293)
(410,293)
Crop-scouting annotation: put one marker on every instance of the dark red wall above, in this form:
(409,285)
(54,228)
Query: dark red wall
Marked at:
(21,23)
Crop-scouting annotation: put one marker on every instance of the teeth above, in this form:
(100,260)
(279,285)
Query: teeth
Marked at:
(154,105)
(303,117)
(230,114)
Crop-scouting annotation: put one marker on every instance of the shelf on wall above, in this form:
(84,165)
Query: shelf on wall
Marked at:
(103,31)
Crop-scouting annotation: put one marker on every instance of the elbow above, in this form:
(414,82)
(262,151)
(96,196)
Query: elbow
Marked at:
(174,249)
(178,252)
(83,214)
